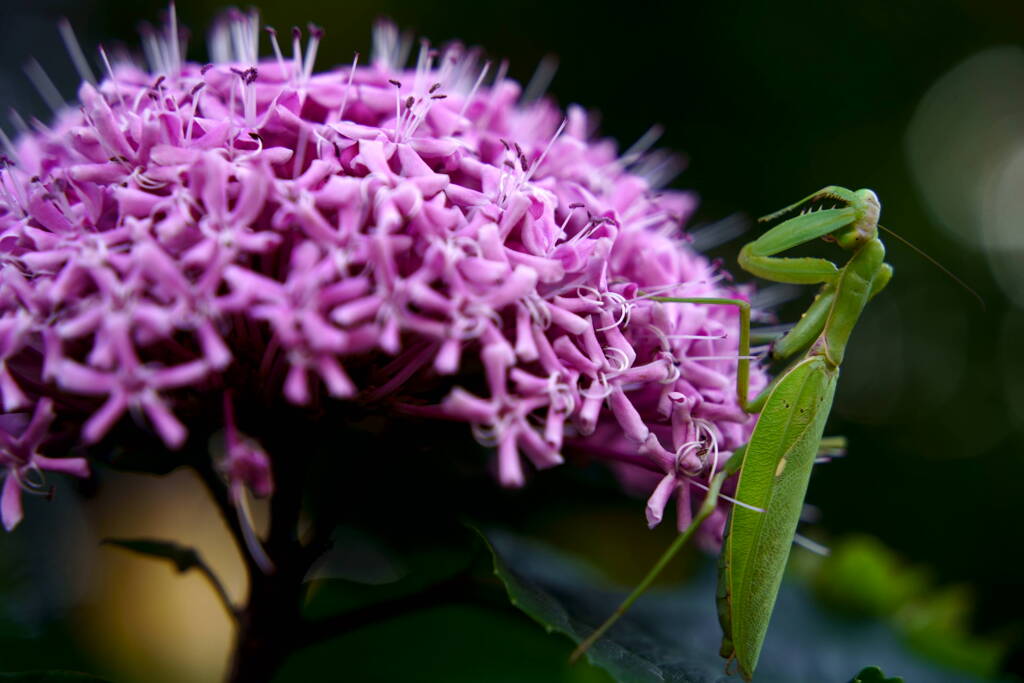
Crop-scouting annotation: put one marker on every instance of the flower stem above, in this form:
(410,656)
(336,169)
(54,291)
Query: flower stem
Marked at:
(271,621)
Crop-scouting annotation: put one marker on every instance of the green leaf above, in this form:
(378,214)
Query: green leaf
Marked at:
(182,557)
(673,636)
(364,568)
(864,578)
(51,677)
(872,674)
(444,644)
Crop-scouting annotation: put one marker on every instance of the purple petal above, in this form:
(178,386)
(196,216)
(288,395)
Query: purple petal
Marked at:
(10,502)
(510,468)
(78,467)
(103,419)
(659,499)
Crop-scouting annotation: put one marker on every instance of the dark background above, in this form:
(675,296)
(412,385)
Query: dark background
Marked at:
(768,101)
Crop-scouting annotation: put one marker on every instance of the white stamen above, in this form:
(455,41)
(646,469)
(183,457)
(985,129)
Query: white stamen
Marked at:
(810,513)
(666,346)
(673,370)
(195,112)
(540,314)
(9,146)
(617,359)
(625,311)
(774,295)
(659,168)
(18,122)
(710,432)
(173,41)
(276,46)
(718,233)
(606,389)
(541,79)
(540,159)
(398,107)
(772,330)
(654,219)
(315,33)
(44,86)
(67,34)
(732,500)
(499,78)
(587,289)
(8,198)
(297,51)
(422,65)
(110,73)
(814,547)
(476,86)
(348,87)
(640,147)
(562,398)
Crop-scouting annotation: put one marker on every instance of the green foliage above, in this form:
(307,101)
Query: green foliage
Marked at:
(873,674)
(672,635)
(449,643)
(864,578)
(364,569)
(484,639)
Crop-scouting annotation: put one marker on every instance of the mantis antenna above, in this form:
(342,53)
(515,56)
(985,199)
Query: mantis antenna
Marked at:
(981,302)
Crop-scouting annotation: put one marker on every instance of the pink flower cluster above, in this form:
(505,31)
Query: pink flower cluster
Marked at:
(184,220)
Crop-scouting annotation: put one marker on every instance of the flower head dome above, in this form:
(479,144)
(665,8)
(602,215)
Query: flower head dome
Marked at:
(186,225)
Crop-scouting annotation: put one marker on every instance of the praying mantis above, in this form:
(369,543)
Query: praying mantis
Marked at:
(775,465)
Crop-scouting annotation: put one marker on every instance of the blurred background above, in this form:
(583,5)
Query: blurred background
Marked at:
(923,101)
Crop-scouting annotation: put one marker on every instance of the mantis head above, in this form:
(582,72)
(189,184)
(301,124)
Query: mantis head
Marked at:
(864,227)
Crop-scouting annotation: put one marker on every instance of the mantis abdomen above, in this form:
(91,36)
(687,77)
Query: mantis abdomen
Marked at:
(774,478)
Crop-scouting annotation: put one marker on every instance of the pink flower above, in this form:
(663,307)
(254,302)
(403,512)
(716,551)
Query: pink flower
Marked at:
(186,224)
(23,464)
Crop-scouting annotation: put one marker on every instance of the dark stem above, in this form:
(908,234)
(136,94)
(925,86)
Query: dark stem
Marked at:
(219,493)
(270,622)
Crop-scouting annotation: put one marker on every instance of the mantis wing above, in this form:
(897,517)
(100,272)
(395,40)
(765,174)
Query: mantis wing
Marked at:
(774,477)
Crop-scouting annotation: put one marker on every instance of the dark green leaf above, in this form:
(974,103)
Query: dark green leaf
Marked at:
(183,558)
(364,568)
(444,644)
(673,636)
(872,674)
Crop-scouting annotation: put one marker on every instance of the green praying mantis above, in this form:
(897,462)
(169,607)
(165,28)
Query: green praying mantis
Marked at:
(775,465)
